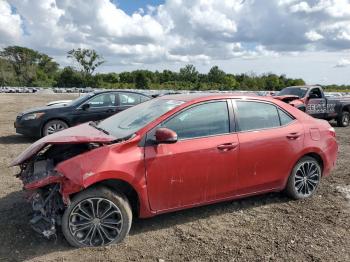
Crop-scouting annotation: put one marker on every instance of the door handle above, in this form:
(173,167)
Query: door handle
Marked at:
(293,136)
(110,111)
(227,146)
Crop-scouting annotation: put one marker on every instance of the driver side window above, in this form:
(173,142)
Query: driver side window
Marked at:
(315,93)
(202,120)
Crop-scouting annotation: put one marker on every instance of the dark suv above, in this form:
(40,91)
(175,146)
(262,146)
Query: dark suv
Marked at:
(93,106)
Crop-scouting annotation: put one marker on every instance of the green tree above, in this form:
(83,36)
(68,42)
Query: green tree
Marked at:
(229,82)
(272,82)
(24,61)
(46,64)
(111,78)
(70,78)
(88,60)
(167,76)
(189,73)
(126,77)
(216,75)
(141,80)
(7,74)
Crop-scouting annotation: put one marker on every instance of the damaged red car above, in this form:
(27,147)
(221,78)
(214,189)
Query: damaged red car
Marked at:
(167,154)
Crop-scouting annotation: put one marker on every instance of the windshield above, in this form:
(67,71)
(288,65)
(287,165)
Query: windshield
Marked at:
(129,121)
(294,91)
(80,99)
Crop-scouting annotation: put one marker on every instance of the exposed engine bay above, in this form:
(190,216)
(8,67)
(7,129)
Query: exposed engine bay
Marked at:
(44,184)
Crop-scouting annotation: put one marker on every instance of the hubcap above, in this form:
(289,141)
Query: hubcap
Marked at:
(95,222)
(307,178)
(55,128)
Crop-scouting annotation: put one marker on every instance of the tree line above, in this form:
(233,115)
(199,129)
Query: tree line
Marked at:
(21,66)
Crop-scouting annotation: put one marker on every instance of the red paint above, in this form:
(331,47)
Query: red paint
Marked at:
(194,172)
(165,135)
(79,134)
(43,182)
(190,172)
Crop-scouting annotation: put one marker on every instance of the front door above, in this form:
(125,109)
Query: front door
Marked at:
(201,166)
(316,104)
(101,106)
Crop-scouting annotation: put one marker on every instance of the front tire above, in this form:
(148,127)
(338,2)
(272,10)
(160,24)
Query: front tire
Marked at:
(343,119)
(54,126)
(97,217)
(304,179)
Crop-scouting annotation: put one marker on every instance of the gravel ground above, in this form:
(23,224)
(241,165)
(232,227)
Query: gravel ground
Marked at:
(265,228)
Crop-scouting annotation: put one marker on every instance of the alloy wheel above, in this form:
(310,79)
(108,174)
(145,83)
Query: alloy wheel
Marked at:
(95,222)
(307,178)
(55,127)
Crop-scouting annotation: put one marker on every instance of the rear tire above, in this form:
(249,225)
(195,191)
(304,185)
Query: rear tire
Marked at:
(97,217)
(304,179)
(343,119)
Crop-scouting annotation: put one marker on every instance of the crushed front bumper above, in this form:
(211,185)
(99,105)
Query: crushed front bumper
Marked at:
(48,208)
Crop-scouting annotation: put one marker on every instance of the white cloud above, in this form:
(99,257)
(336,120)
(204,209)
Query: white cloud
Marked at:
(179,31)
(10,24)
(313,35)
(343,63)
(334,8)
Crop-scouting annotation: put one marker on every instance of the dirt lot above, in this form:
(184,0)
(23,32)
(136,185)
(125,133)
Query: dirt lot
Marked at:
(265,228)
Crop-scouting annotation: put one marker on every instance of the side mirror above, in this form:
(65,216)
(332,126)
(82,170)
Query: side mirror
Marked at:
(85,107)
(165,136)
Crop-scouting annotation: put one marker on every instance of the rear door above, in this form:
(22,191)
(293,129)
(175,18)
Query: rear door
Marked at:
(269,139)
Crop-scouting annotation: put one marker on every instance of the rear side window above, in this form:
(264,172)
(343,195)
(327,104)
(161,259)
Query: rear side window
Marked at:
(284,117)
(102,100)
(256,115)
(130,99)
(202,120)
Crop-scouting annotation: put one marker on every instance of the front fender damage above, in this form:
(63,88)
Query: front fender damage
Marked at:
(47,208)
(48,190)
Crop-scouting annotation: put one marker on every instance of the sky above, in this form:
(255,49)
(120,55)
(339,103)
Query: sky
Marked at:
(307,39)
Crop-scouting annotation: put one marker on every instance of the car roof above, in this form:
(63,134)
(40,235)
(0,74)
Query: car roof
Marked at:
(118,90)
(304,86)
(197,97)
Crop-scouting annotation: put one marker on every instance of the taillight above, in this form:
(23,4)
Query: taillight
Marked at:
(331,131)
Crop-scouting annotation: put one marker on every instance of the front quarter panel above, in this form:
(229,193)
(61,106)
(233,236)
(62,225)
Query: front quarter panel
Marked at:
(124,161)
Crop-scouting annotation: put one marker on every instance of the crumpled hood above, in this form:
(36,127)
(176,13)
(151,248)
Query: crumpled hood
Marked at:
(287,98)
(83,133)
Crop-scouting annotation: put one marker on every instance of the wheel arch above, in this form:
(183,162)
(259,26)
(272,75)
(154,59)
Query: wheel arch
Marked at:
(120,186)
(317,157)
(314,154)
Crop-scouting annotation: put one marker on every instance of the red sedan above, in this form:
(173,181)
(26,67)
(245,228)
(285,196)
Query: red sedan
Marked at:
(167,154)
